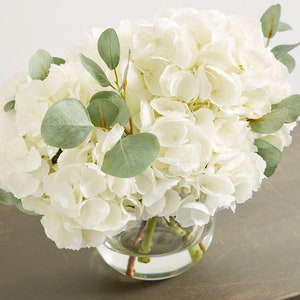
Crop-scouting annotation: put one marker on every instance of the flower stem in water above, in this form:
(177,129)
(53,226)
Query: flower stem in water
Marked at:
(145,247)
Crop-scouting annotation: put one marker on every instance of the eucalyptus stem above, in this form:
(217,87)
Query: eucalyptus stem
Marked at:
(130,266)
(140,232)
(268,42)
(117,78)
(131,260)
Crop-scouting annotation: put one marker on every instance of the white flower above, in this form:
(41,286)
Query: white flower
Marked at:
(214,203)
(66,233)
(195,80)
(155,201)
(191,212)
(182,85)
(215,185)
(105,141)
(92,212)
(185,147)
(226,89)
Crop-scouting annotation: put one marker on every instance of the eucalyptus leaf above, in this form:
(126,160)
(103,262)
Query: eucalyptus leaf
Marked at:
(58,61)
(123,110)
(66,124)
(95,70)
(281,50)
(292,104)
(39,64)
(9,105)
(103,113)
(270,20)
(289,62)
(283,26)
(8,198)
(109,48)
(131,155)
(270,122)
(270,154)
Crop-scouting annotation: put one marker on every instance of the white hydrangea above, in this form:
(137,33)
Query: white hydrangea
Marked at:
(194,80)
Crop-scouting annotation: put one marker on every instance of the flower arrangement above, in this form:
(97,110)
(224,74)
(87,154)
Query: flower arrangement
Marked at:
(178,118)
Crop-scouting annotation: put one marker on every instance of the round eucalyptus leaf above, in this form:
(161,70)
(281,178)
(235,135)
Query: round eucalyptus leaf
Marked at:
(66,124)
(109,48)
(292,104)
(289,61)
(131,155)
(270,154)
(270,122)
(39,64)
(111,96)
(103,113)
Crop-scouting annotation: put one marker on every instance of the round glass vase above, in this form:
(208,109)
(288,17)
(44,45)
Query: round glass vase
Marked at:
(156,249)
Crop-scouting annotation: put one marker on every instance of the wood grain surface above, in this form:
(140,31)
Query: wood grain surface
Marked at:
(255,254)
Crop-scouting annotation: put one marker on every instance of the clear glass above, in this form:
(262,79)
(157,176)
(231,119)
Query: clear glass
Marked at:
(171,253)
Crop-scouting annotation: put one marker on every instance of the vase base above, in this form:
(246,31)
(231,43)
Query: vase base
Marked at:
(162,267)
(157,266)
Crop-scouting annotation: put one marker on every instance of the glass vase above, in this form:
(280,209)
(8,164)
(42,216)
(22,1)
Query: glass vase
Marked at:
(157,249)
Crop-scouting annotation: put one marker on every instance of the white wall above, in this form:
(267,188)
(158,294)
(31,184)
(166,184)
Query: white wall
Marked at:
(55,25)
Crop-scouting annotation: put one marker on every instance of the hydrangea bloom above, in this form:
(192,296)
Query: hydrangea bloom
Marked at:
(195,78)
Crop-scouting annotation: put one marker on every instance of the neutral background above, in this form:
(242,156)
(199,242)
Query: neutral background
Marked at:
(56,25)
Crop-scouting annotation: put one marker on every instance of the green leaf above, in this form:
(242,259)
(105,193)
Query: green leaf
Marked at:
(281,50)
(9,105)
(131,155)
(39,64)
(123,111)
(270,154)
(103,113)
(95,70)
(109,48)
(66,124)
(270,122)
(270,20)
(289,62)
(292,104)
(58,61)
(8,198)
(283,26)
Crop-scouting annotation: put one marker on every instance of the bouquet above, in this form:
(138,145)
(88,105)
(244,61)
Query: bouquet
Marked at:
(178,118)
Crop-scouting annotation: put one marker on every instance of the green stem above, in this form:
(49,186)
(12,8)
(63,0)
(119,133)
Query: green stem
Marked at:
(176,227)
(196,253)
(145,247)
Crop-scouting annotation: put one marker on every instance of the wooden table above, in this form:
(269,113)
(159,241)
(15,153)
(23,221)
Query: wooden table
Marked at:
(255,254)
